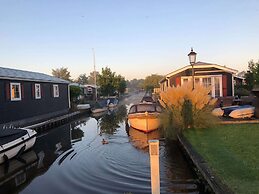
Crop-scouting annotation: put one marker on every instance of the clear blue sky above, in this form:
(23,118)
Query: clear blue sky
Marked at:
(135,38)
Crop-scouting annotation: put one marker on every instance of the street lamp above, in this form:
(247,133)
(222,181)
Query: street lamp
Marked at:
(192,59)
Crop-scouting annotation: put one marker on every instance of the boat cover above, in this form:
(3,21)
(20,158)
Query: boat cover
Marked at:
(8,135)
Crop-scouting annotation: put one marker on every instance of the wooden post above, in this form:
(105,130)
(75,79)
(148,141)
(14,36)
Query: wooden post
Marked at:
(154,166)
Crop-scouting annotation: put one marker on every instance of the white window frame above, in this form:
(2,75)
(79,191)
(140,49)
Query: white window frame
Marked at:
(55,91)
(212,82)
(20,92)
(35,90)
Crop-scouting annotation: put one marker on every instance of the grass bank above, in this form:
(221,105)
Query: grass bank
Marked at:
(232,152)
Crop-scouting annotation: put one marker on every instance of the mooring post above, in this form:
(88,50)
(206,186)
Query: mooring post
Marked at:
(154,166)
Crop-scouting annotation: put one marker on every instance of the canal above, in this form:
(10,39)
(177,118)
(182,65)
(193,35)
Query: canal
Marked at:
(73,158)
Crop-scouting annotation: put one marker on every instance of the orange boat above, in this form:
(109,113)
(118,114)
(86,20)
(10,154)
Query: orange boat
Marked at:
(144,116)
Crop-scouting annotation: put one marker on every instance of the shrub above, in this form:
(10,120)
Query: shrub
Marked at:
(186,108)
(75,92)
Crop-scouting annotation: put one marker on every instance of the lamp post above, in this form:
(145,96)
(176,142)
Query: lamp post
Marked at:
(192,59)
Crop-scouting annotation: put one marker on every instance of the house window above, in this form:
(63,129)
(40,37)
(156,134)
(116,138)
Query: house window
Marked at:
(55,91)
(185,80)
(37,91)
(15,91)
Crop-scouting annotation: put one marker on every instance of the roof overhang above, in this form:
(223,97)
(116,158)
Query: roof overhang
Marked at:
(199,65)
(34,80)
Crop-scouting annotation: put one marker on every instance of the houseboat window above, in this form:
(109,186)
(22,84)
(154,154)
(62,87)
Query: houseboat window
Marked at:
(37,91)
(15,91)
(55,91)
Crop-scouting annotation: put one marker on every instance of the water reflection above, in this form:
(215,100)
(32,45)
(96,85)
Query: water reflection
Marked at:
(72,159)
(140,139)
(17,173)
(109,122)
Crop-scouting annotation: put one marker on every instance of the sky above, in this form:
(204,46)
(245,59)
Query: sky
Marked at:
(134,38)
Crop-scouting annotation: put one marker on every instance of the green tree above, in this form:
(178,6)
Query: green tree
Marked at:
(152,81)
(91,77)
(135,84)
(75,91)
(120,84)
(62,73)
(252,75)
(107,82)
(82,79)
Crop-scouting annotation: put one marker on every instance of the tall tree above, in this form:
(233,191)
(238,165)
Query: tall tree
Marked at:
(91,77)
(82,79)
(152,81)
(106,81)
(62,73)
(135,84)
(120,84)
(252,75)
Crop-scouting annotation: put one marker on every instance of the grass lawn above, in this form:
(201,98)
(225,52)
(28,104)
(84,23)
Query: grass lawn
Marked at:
(232,151)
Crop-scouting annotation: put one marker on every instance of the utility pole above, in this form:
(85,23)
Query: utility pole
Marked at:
(95,75)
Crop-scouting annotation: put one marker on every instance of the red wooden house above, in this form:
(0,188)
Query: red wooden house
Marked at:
(219,78)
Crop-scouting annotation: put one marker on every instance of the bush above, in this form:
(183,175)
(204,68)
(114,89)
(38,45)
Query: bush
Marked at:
(186,108)
(75,92)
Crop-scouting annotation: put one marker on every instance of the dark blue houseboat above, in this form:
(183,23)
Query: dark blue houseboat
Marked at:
(28,97)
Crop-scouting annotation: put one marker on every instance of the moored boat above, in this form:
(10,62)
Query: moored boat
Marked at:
(15,141)
(244,111)
(144,116)
(84,107)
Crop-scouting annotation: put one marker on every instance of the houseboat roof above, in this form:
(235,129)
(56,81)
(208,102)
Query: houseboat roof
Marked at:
(199,65)
(15,74)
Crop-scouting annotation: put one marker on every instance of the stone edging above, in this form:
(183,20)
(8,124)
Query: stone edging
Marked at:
(214,182)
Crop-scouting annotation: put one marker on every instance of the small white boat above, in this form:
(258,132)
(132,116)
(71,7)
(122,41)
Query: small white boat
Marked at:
(99,110)
(144,116)
(220,111)
(245,111)
(83,107)
(15,141)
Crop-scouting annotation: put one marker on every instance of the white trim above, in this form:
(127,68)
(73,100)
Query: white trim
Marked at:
(202,65)
(55,91)
(35,91)
(33,80)
(69,103)
(19,89)
(189,78)
(233,90)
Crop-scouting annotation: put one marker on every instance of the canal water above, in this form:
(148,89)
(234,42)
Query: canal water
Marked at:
(73,159)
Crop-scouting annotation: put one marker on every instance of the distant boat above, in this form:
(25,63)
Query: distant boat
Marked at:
(144,116)
(112,103)
(99,107)
(84,107)
(99,110)
(13,142)
(147,99)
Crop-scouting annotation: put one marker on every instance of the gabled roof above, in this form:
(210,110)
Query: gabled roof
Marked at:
(202,65)
(15,74)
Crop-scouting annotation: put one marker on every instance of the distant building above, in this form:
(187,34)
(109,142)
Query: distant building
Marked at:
(27,96)
(220,78)
(88,91)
